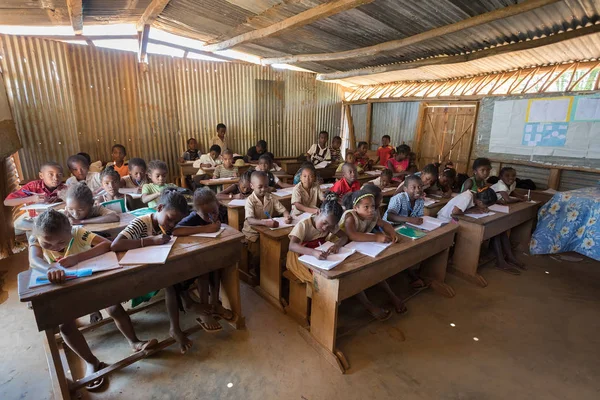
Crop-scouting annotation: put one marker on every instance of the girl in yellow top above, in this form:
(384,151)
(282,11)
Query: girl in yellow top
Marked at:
(307,194)
(55,246)
(359,220)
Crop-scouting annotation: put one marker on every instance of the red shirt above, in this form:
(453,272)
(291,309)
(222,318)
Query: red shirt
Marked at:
(37,187)
(361,161)
(341,187)
(399,166)
(384,154)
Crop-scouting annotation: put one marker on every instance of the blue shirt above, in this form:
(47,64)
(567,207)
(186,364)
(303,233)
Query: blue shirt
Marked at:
(400,204)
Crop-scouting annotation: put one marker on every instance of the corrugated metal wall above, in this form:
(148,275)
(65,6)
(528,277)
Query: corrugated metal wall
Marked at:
(359,118)
(399,120)
(69,98)
(570,180)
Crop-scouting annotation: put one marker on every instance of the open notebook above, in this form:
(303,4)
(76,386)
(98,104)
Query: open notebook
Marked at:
(148,255)
(429,223)
(212,234)
(295,220)
(479,216)
(332,260)
(104,262)
(42,206)
(371,249)
(499,208)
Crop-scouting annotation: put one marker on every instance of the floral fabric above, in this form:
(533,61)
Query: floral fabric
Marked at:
(569,222)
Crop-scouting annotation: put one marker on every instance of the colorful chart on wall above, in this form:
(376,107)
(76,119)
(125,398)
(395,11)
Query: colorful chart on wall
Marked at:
(565,126)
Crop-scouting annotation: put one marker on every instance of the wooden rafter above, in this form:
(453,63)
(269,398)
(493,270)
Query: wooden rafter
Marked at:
(152,11)
(574,85)
(304,18)
(494,51)
(143,43)
(192,50)
(75,8)
(394,45)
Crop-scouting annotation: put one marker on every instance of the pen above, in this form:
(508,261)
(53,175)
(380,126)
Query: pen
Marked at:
(268,215)
(29,193)
(68,248)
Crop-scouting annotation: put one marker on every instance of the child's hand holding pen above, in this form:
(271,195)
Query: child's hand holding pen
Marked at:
(35,197)
(270,222)
(320,254)
(215,224)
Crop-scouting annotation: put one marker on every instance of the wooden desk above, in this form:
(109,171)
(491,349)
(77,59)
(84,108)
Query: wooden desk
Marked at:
(236,215)
(187,168)
(274,246)
(112,229)
(190,257)
(328,172)
(225,182)
(472,232)
(291,166)
(360,272)
(433,209)
(287,178)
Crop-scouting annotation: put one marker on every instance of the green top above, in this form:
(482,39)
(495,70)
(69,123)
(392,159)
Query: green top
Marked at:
(151,188)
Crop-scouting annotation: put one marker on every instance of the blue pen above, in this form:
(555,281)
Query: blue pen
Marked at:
(29,193)
(268,215)
(80,273)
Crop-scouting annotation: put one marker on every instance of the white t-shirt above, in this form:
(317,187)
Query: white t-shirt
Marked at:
(207,159)
(500,186)
(463,201)
(92,180)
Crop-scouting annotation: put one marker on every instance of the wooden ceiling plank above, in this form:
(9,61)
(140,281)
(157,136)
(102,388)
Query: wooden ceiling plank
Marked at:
(75,9)
(152,11)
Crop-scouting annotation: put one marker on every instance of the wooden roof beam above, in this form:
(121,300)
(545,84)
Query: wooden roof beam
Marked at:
(494,51)
(304,18)
(152,11)
(369,51)
(75,8)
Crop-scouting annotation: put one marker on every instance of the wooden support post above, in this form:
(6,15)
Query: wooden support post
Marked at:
(75,9)
(369,122)
(554,178)
(351,135)
(143,44)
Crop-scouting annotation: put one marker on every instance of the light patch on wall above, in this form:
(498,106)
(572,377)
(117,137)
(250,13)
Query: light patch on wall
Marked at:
(118,44)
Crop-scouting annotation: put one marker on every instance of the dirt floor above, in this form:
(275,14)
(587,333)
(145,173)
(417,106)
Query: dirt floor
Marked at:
(537,339)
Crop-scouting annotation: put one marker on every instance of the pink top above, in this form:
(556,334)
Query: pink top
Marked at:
(399,166)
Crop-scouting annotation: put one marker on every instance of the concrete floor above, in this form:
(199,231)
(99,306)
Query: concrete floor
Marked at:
(538,339)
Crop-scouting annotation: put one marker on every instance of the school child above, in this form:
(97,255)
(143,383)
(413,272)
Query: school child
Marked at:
(239,190)
(210,160)
(80,169)
(54,242)
(311,233)
(226,170)
(219,139)
(260,209)
(358,222)
(384,180)
(157,172)
(362,160)
(445,183)
(80,208)
(348,182)
(407,206)
(319,152)
(477,203)
(192,153)
(48,189)
(111,183)
(428,175)
(481,171)
(400,161)
(206,218)
(335,151)
(255,152)
(265,163)
(350,159)
(151,230)
(306,164)
(385,151)
(506,185)
(307,194)
(118,154)
(137,176)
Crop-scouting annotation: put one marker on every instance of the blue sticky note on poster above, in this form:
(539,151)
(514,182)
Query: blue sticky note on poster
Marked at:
(540,134)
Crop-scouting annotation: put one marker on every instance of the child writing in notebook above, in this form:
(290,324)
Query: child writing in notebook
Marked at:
(260,209)
(311,233)
(444,184)
(348,183)
(152,230)
(428,175)
(319,152)
(226,169)
(477,203)
(385,179)
(157,172)
(137,176)
(350,159)
(358,222)
(361,157)
(265,163)
(506,185)
(210,160)
(48,189)
(239,190)
(80,169)
(80,208)
(481,171)
(54,247)
(400,161)
(206,218)
(407,206)
(111,183)
(118,154)
(307,194)
(192,153)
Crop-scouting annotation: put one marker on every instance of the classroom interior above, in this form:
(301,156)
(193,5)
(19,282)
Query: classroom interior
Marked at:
(502,294)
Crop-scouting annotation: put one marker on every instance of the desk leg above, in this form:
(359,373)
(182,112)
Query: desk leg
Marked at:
(233,218)
(323,321)
(183,180)
(468,247)
(230,284)
(60,385)
(433,271)
(521,235)
(270,270)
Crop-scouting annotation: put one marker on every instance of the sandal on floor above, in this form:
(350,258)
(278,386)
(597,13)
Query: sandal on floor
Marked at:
(387,314)
(227,314)
(208,329)
(98,383)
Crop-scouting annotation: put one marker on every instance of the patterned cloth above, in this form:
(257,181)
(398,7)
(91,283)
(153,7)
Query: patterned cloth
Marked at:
(569,222)
(400,204)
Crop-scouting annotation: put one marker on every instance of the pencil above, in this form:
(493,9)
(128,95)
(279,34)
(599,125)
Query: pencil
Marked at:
(162,230)
(69,247)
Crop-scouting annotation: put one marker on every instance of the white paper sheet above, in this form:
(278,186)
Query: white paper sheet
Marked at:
(42,206)
(237,202)
(332,260)
(429,201)
(429,223)
(210,235)
(588,108)
(373,173)
(371,249)
(479,216)
(322,165)
(295,220)
(221,180)
(499,208)
(133,192)
(549,110)
(149,254)
(283,192)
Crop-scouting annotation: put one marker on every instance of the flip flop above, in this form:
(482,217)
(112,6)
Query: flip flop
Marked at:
(224,314)
(510,270)
(387,315)
(418,284)
(147,345)
(98,383)
(207,328)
